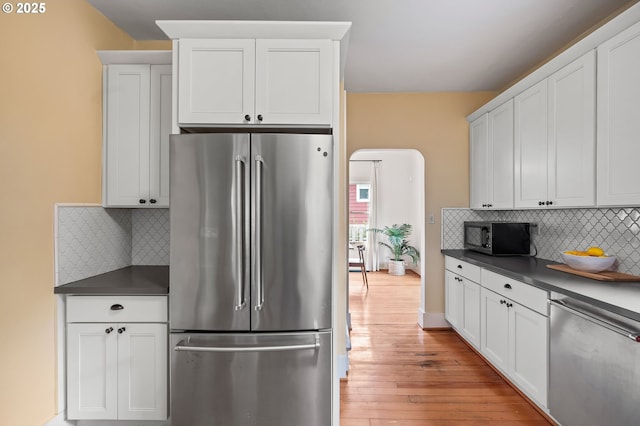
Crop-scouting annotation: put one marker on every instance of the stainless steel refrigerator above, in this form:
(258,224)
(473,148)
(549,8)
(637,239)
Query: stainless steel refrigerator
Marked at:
(250,279)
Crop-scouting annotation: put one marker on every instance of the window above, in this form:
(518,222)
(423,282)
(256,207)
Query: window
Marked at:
(362,193)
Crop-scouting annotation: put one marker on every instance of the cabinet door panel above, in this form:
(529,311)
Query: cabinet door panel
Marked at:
(528,357)
(572,134)
(293,81)
(479,162)
(142,371)
(216,81)
(530,146)
(127,134)
(453,299)
(494,328)
(160,129)
(92,356)
(500,166)
(619,119)
(471,312)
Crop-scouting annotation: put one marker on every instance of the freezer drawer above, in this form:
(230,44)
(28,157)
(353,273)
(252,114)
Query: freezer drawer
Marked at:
(270,379)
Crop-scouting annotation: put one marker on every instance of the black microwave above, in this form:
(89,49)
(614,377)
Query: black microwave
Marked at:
(499,238)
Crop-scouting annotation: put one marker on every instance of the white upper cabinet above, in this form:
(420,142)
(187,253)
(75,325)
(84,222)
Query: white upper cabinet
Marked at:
(479,162)
(530,148)
(554,139)
(572,144)
(137,124)
(491,159)
(255,81)
(216,81)
(619,119)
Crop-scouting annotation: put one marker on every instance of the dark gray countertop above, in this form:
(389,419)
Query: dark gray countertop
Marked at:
(132,280)
(619,297)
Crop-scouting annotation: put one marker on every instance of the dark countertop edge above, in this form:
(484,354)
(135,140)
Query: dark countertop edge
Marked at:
(139,280)
(528,278)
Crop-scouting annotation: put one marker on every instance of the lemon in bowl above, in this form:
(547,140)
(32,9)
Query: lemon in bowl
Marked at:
(593,259)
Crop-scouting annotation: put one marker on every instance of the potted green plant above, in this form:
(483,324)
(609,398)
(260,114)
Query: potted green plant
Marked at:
(398,243)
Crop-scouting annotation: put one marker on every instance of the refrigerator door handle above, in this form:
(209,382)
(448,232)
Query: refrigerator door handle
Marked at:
(258,235)
(239,235)
(279,348)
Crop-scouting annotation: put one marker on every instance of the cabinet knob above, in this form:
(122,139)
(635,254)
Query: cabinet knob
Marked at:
(484,205)
(502,302)
(549,203)
(142,201)
(122,330)
(259,117)
(489,205)
(508,286)
(459,266)
(117,307)
(247,117)
(153,201)
(541,203)
(108,330)
(509,305)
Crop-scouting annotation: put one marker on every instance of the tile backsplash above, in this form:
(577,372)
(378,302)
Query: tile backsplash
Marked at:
(92,240)
(616,230)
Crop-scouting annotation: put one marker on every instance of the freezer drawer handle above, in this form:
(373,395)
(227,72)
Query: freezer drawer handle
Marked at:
(281,348)
(258,236)
(633,335)
(240,300)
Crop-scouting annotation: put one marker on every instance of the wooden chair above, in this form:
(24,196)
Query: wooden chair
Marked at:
(359,263)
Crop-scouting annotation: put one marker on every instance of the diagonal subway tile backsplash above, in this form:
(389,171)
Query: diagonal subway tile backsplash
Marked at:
(92,240)
(616,230)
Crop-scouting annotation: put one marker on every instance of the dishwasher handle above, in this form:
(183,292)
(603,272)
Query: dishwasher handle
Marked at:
(630,334)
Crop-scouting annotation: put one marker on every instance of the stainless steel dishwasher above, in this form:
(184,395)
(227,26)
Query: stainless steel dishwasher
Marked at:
(594,365)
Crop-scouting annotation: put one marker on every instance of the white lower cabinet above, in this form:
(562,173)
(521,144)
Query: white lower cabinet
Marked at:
(515,340)
(507,320)
(116,370)
(462,295)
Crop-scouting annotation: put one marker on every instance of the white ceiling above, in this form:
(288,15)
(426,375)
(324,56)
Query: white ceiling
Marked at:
(404,45)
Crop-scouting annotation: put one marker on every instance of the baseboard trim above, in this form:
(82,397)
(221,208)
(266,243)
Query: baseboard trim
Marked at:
(343,366)
(59,420)
(428,320)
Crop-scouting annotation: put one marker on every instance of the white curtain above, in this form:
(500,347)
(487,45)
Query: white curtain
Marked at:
(372,237)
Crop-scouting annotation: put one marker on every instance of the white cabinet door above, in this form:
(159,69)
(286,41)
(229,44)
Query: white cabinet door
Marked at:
(479,162)
(619,119)
(216,80)
(572,162)
(530,146)
(127,134)
(92,372)
(470,326)
(453,299)
(293,81)
(160,130)
(528,351)
(500,165)
(142,371)
(494,328)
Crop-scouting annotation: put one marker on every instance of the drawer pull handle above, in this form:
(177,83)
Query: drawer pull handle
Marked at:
(108,330)
(117,307)
(122,330)
(507,286)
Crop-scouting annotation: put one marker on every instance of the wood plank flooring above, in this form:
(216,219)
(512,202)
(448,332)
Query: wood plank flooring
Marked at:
(401,375)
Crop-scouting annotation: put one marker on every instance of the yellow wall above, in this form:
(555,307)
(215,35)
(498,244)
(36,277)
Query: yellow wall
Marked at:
(435,125)
(50,151)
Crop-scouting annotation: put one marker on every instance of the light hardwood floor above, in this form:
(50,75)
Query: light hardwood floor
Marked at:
(401,375)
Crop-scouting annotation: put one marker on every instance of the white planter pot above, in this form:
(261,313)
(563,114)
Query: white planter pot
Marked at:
(396,267)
